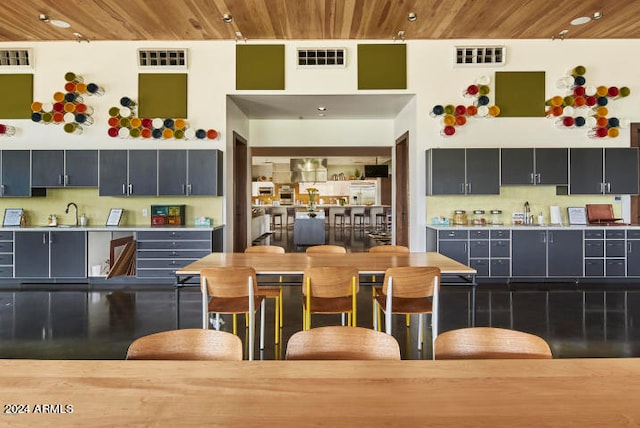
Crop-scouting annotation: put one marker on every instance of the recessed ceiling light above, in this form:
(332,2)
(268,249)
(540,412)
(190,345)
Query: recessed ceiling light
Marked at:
(322,108)
(563,32)
(581,20)
(227,18)
(59,23)
(596,15)
(412,17)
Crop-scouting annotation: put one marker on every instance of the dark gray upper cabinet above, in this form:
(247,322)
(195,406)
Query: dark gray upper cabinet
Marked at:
(64,168)
(463,171)
(190,173)
(603,171)
(205,173)
(128,173)
(15,173)
(530,166)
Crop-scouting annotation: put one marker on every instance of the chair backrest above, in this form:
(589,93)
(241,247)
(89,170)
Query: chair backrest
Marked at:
(342,343)
(326,249)
(389,249)
(265,249)
(412,282)
(228,281)
(330,281)
(489,343)
(187,344)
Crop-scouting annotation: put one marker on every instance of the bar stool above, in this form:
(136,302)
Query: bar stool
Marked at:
(358,217)
(336,217)
(291,214)
(347,217)
(277,214)
(381,220)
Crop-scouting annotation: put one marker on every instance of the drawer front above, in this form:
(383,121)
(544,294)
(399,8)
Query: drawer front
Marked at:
(6,272)
(633,234)
(6,259)
(614,267)
(478,248)
(500,234)
(156,273)
(173,234)
(594,267)
(6,247)
(479,234)
(175,254)
(615,234)
(594,248)
(6,236)
(163,263)
(594,234)
(481,266)
(500,268)
(453,234)
(174,245)
(615,249)
(500,248)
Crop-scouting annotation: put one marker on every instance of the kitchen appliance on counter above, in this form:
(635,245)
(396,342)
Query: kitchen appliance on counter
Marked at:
(287,195)
(265,191)
(167,214)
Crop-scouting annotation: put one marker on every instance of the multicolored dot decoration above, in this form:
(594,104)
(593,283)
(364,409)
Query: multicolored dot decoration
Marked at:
(586,106)
(456,116)
(7,130)
(68,107)
(125,123)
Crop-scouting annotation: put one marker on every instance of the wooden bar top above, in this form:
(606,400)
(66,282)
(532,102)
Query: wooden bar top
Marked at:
(482,393)
(295,263)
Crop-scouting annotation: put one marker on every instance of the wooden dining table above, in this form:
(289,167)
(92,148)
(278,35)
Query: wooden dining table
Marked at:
(481,393)
(372,264)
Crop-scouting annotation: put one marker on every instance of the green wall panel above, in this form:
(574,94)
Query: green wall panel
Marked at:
(162,95)
(382,66)
(259,67)
(17,96)
(520,93)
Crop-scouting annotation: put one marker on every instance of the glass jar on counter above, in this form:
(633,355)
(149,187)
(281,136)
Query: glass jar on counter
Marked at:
(496,217)
(479,218)
(460,217)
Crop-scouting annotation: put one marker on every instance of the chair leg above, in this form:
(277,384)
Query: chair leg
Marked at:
(408,320)
(342,318)
(277,321)
(262,318)
(252,333)
(235,324)
(420,331)
(217,321)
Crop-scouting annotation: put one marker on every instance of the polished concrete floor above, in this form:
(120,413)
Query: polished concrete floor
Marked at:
(71,321)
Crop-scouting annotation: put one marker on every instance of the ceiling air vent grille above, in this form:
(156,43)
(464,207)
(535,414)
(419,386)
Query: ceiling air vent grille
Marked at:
(15,58)
(161,58)
(480,55)
(322,58)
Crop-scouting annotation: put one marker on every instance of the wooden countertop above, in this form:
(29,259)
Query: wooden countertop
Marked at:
(481,393)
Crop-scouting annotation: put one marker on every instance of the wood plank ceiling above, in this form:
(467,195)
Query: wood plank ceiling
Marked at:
(98,20)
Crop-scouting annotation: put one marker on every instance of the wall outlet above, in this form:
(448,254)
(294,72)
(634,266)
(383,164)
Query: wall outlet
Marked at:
(145,212)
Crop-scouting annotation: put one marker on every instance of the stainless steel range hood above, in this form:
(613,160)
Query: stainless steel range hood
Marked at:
(309,170)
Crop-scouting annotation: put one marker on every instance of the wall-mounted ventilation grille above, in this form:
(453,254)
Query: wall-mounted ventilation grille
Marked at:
(170,58)
(330,57)
(15,57)
(480,55)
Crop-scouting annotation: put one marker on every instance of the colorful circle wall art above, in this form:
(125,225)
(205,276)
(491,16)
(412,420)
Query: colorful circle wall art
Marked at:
(586,107)
(479,106)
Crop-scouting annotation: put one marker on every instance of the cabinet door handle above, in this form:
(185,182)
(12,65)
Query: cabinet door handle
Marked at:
(184,189)
(538,178)
(543,237)
(44,238)
(131,189)
(462,185)
(124,189)
(59,179)
(66,179)
(2,189)
(629,247)
(188,189)
(465,247)
(550,237)
(532,178)
(469,188)
(608,187)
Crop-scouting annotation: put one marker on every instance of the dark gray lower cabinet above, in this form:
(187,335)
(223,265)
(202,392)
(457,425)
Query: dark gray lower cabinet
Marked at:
(529,253)
(50,254)
(554,253)
(633,253)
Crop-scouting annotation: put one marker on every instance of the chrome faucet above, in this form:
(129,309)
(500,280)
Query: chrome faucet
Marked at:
(67,211)
(527,213)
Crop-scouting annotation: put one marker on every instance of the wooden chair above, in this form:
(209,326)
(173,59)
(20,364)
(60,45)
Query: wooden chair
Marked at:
(489,343)
(389,249)
(329,290)
(342,343)
(232,290)
(326,249)
(409,290)
(187,344)
(271,291)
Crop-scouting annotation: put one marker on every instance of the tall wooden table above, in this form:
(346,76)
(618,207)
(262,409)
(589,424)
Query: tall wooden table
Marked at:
(453,272)
(482,393)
